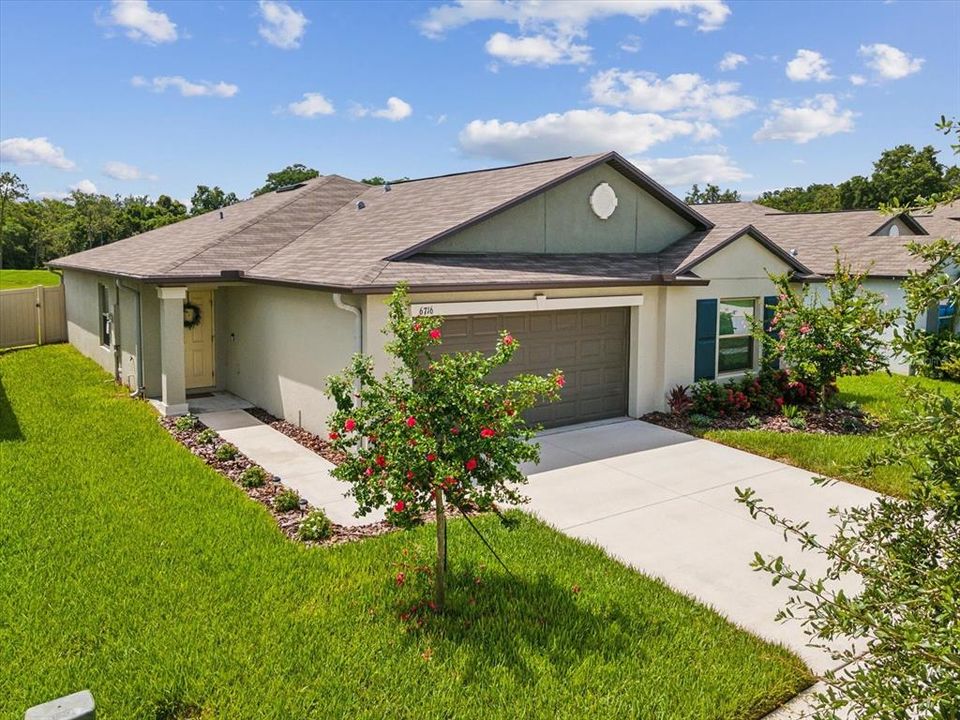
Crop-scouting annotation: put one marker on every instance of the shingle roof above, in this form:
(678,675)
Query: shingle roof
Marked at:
(815,235)
(316,235)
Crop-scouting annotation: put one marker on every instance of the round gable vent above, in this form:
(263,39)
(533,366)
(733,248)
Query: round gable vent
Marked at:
(603,201)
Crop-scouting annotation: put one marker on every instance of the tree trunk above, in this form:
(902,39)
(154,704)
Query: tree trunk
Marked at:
(823,399)
(440,576)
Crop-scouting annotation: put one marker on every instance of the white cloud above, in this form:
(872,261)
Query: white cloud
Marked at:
(809,65)
(819,116)
(85,186)
(282,26)
(684,93)
(570,17)
(187,88)
(691,169)
(123,171)
(51,195)
(631,44)
(540,50)
(858,80)
(34,151)
(888,62)
(731,61)
(396,109)
(141,22)
(574,132)
(313,104)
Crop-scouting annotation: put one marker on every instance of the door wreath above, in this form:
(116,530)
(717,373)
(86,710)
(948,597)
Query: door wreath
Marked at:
(191,315)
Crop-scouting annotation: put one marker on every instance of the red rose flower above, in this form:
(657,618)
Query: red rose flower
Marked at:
(410,475)
(560,381)
(350,425)
(435,334)
(487,433)
(508,339)
(416,327)
(381,461)
(454,430)
(368,471)
(431,457)
(411,421)
(471,464)
(334,435)
(399,506)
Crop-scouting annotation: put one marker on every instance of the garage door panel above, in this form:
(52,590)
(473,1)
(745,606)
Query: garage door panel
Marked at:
(590,346)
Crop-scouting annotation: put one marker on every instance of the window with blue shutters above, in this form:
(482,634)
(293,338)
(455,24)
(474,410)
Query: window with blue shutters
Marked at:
(705,347)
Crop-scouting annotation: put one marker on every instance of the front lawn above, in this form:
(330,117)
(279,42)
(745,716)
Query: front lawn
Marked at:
(838,456)
(129,567)
(13,279)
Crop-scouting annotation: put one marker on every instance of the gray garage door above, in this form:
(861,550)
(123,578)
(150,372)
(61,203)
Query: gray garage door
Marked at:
(590,346)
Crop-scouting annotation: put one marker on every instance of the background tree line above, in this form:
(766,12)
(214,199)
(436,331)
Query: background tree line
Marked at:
(902,174)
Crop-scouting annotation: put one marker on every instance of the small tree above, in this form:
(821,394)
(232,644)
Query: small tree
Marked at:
(906,556)
(433,430)
(936,352)
(822,335)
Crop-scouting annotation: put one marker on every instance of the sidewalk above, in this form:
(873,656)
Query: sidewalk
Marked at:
(296,466)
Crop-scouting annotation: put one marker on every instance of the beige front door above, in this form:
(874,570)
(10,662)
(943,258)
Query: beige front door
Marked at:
(198,343)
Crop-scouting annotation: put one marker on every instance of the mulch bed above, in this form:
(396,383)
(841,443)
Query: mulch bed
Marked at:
(310,441)
(836,421)
(288,522)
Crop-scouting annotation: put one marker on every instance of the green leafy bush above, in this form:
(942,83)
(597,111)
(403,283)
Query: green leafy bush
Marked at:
(701,421)
(753,422)
(315,526)
(286,500)
(253,477)
(226,452)
(207,436)
(185,423)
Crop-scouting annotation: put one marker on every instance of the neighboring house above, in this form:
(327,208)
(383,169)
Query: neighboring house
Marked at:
(595,268)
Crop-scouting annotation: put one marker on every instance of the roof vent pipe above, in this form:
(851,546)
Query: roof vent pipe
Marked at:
(794,252)
(221,214)
(386,187)
(361,204)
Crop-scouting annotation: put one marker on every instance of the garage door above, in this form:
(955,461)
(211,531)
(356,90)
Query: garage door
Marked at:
(590,346)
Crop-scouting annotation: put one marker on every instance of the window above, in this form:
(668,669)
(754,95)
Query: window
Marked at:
(735,344)
(106,319)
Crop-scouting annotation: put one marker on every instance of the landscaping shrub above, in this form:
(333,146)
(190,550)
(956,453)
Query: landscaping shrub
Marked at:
(253,477)
(207,436)
(186,422)
(315,526)
(286,500)
(765,393)
(226,452)
(679,400)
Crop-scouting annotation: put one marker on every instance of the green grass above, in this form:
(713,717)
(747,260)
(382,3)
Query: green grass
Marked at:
(839,456)
(13,279)
(130,568)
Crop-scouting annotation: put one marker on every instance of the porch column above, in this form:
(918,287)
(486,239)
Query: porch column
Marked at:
(173,393)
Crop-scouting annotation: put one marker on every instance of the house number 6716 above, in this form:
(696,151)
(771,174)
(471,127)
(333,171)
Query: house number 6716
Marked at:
(425,310)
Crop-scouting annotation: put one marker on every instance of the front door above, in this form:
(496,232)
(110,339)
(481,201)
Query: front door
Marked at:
(198,342)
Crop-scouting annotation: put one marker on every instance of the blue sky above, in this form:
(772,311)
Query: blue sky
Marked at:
(149,97)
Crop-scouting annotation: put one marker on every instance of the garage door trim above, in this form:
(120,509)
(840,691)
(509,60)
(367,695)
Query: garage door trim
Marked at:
(537,303)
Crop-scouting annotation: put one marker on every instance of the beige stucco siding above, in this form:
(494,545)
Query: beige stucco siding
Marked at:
(561,221)
(278,346)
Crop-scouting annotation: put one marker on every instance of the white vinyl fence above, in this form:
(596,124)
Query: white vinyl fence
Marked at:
(32,316)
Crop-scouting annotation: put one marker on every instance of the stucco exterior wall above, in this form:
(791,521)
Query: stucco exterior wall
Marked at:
(83,326)
(561,221)
(278,346)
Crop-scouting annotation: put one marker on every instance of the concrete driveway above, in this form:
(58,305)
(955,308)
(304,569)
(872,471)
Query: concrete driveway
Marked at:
(664,503)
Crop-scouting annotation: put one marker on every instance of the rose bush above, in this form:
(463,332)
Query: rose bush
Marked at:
(433,430)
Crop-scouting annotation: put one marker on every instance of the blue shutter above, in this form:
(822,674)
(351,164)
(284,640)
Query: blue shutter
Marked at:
(769,310)
(705,347)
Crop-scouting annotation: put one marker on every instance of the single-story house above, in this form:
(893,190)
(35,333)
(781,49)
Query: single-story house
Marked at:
(596,269)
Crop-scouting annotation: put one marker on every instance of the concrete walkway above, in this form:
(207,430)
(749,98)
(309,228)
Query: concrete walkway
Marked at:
(296,466)
(664,503)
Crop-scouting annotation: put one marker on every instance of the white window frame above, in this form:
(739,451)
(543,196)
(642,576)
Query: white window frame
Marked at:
(754,350)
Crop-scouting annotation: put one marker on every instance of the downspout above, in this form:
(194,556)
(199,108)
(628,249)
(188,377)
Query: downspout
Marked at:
(140,391)
(357,314)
